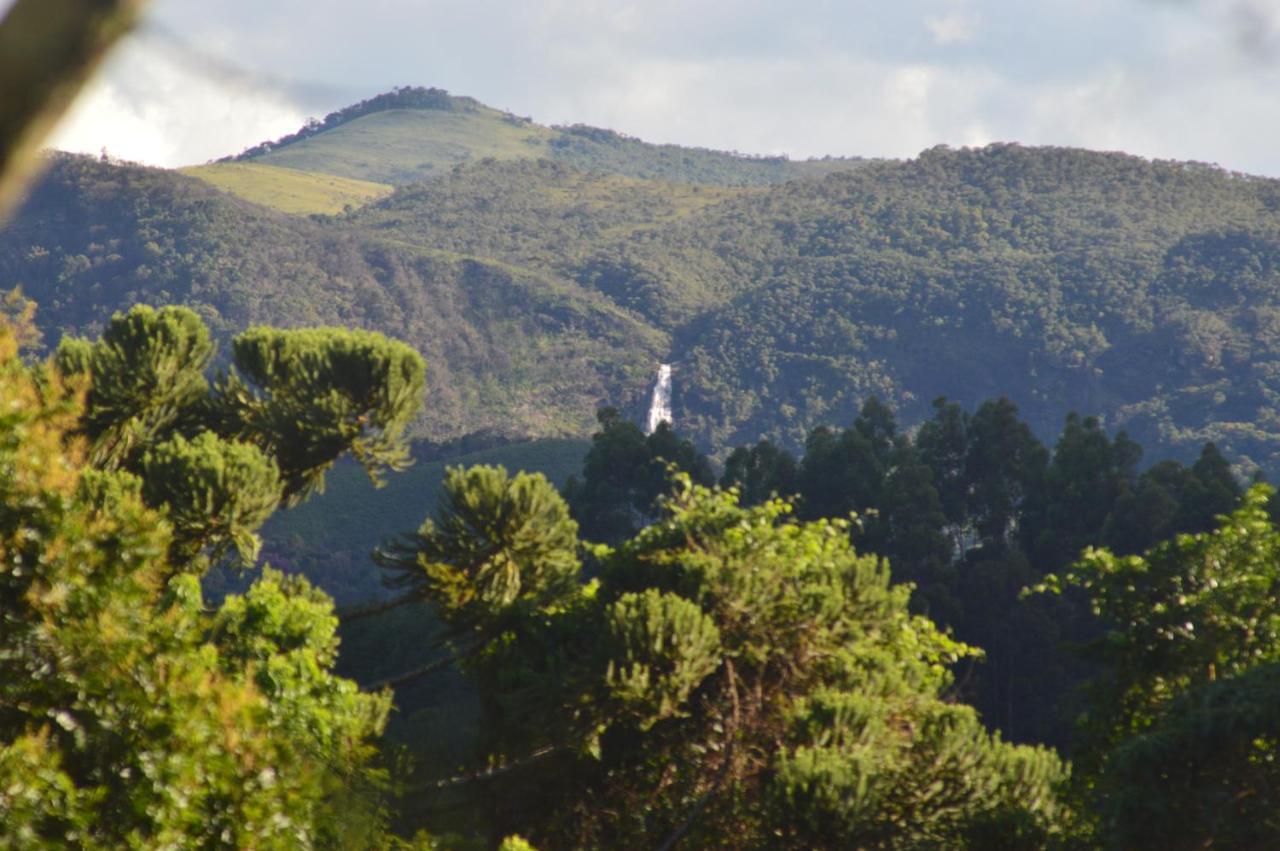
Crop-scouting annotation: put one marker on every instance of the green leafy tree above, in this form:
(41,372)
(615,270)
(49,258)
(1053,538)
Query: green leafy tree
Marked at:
(129,715)
(222,457)
(752,678)
(624,474)
(215,492)
(1192,645)
(761,472)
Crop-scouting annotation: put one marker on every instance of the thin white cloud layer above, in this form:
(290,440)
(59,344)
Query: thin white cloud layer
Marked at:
(1187,79)
(956,25)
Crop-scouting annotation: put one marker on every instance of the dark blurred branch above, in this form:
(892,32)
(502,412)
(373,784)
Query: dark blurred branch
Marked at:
(48,50)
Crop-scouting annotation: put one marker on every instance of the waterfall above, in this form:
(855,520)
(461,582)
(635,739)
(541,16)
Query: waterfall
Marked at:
(660,406)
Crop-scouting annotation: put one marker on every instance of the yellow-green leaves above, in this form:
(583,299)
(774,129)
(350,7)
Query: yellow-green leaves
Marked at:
(497,540)
(661,647)
(146,372)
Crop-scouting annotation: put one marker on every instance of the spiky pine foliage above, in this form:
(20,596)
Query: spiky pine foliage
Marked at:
(222,458)
(129,717)
(730,679)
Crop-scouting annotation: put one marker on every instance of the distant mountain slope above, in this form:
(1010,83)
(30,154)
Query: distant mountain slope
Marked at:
(289,190)
(1064,279)
(508,350)
(590,227)
(1149,292)
(406,145)
(413,134)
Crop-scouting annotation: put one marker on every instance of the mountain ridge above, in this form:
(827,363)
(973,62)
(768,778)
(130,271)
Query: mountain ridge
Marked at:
(1144,291)
(414,133)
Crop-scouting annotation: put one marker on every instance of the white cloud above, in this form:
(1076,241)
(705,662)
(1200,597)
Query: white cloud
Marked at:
(958,25)
(151,107)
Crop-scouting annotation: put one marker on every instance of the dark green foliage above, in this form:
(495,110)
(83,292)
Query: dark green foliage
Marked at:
(1004,464)
(1205,774)
(1181,728)
(1190,610)
(496,539)
(322,392)
(973,509)
(753,678)
(842,472)
(146,371)
(760,472)
(624,475)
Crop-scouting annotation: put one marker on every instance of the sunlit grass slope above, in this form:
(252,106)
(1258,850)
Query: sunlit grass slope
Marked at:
(289,190)
(405,145)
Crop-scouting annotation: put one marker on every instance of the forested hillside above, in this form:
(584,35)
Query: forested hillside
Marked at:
(511,350)
(1144,292)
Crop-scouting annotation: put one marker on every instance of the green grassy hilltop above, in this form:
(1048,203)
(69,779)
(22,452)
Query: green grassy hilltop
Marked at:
(287,189)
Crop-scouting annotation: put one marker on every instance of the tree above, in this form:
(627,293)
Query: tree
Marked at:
(1003,464)
(760,472)
(129,716)
(728,673)
(1086,477)
(842,472)
(221,457)
(625,473)
(1192,646)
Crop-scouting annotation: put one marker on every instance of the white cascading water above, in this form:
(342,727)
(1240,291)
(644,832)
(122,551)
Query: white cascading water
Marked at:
(660,406)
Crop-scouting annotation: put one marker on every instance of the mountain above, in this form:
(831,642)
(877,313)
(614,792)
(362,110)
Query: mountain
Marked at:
(413,134)
(511,350)
(540,286)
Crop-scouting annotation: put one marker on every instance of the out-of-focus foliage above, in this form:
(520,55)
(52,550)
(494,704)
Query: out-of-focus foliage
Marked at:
(48,50)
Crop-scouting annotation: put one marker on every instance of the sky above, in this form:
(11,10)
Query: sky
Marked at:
(1171,79)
